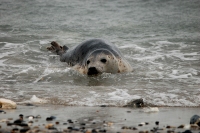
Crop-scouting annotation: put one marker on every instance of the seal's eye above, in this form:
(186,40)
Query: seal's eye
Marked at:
(88,62)
(103,60)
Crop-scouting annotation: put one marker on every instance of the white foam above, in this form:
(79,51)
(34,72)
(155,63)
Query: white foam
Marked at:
(26,70)
(183,76)
(35,99)
(43,42)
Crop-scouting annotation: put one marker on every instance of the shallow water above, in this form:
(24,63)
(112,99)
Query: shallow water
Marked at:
(160,39)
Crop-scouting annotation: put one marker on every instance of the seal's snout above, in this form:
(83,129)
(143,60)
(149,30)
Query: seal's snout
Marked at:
(92,71)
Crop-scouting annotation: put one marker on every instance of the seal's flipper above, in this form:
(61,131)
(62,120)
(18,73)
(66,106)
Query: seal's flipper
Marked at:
(55,47)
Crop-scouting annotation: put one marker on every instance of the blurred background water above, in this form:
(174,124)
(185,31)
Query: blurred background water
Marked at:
(160,39)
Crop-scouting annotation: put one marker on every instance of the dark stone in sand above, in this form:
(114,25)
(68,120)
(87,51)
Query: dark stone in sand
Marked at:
(64,123)
(157,122)
(146,123)
(103,106)
(70,128)
(70,121)
(195,119)
(1,111)
(170,131)
(102,130)
(18,121)
(124,127)
(181,126)
(168,126)
(82,124)
(15,129)
(24,130)
(135,103)
(29,104)
(187,131)
(9,124)
(134,128)
(52,128)
(128,111)
(140,124)
(50,118)
(94,131)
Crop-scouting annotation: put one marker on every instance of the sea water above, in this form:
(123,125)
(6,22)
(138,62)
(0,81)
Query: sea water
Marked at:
(160,39)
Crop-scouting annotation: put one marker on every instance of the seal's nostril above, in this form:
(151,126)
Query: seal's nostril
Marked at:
(92,71)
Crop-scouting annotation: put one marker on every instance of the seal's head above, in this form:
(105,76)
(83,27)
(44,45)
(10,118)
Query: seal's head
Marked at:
(101,61)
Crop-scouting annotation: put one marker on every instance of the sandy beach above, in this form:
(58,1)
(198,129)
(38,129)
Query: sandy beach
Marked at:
(99,119)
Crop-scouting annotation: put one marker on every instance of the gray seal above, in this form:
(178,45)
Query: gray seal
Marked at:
(92,57)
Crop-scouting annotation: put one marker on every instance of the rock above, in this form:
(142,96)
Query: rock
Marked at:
(195,119)
(24,130)
(103,106)
(48,126)
(135,103)
(187,131)
(50,118)
(157,122)
(7,104)
(181,126)
(3,112)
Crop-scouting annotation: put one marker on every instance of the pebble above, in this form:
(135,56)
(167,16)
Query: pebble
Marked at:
(181,126)
(3,112)
(187,131)
(20,126)
(50,118)
(7,104)
(24,130)
(70,128)
(49,125)
(29,104)
(157,122)
(195,119)
(102,130)
(103,105)
(140,124)
(70,121)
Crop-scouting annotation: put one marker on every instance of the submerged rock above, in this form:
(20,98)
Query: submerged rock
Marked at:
(135,103)
(7,104)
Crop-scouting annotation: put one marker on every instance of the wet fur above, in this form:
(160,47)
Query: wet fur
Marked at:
(93,50)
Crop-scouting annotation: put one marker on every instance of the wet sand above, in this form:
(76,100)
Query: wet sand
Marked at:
(102,119)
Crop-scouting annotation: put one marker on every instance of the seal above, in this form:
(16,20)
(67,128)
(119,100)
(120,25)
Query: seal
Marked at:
(92,57)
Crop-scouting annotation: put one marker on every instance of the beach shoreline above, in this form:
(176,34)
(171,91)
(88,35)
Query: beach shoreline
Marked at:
(102,119)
